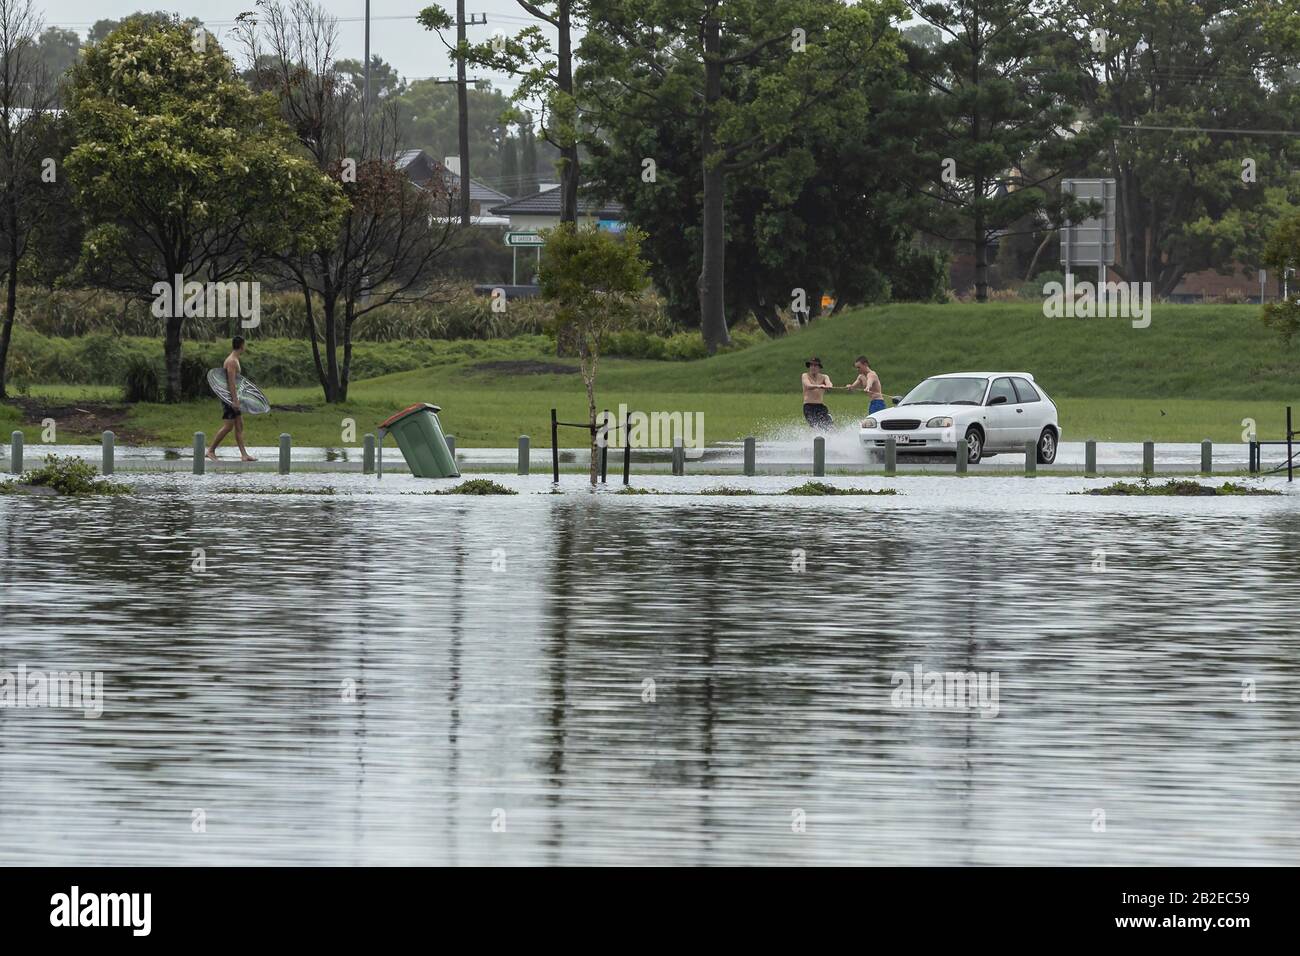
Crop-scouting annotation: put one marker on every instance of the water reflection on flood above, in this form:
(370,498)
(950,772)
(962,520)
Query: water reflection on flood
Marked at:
(519,696)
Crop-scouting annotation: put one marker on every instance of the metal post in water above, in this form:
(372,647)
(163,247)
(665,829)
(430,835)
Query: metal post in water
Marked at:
(1031,458)
(679,456)
(627,450)
(604,448)
(286,447)
(16,453)
(524,452)
(1290,466)
(200,448)
(819,457)
(379,463)
(1090,457)
(368,455)
(963,456)
(555,448)
(1207,457)
(451,446)
(107,439)
(1148,458)
(751,448)
(891,456)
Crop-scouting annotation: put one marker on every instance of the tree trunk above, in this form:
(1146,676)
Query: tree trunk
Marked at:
(329,305)
(713,315)
(569,152)
(11,309)
(172,355)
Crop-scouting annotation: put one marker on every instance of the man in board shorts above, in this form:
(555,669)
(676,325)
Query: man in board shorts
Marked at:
(815,382)
(869,382)
(231,415)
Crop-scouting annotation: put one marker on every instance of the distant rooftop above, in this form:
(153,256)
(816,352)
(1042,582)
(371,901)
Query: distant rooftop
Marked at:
(477,191)
(547,203)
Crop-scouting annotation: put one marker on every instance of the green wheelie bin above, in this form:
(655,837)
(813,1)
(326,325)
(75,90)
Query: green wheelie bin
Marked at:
(419,436)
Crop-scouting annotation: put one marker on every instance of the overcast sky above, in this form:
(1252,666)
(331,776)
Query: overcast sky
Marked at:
(394,34)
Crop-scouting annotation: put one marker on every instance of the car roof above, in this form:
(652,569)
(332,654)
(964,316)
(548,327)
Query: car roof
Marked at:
(1027,375)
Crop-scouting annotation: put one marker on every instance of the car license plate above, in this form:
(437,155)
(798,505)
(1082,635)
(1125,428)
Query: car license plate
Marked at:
(902,439)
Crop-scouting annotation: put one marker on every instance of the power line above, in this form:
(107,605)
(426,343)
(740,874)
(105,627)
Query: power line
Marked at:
(1204,129)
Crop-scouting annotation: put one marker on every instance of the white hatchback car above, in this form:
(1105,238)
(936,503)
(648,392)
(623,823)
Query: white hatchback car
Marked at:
(993,411)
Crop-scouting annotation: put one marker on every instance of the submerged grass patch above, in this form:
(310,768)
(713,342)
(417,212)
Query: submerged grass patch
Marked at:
(813,488)
(64,476)
(477,486)
(1176,487)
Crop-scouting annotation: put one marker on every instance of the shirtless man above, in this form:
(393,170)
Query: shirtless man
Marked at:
(869,382)
(231,415)
(815,382)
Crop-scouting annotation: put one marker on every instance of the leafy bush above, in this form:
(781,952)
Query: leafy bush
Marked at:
(194,379)
(140,383)
(67,476)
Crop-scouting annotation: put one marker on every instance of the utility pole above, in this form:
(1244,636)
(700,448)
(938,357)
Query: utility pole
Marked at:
(365,94)
(462,111)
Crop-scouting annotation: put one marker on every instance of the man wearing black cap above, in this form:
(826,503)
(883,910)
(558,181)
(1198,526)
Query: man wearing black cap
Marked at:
(815,383)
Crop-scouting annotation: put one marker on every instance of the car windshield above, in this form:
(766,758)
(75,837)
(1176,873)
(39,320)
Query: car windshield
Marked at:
(947,391)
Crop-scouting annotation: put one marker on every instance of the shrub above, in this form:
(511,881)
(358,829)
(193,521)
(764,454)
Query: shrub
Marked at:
(69,476)
(477,486)
(194,378)
(140,383)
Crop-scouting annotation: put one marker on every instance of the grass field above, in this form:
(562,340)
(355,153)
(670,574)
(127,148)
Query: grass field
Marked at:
(1195,373)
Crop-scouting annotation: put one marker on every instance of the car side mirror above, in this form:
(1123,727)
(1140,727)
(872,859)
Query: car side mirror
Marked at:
(896,398)
(998,400)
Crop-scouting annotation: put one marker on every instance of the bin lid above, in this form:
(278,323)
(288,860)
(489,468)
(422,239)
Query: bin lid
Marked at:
(410,410)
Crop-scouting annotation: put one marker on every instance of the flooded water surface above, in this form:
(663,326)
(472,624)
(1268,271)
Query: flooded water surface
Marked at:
(985,671)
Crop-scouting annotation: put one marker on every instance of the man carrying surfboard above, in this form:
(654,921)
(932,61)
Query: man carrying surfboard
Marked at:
(232,417)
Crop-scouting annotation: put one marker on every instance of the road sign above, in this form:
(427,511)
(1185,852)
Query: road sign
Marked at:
(524,239)
(1092,241)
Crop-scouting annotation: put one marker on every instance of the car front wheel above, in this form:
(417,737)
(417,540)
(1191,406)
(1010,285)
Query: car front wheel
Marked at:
(1047,447)
(974,446)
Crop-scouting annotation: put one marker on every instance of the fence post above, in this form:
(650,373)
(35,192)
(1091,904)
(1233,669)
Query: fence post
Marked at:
(286,447)
(750,456)
(963,455)
(451,446)
(819,457)
(524,452)
(368,455)
(1207,457)
(1090,457)
(555,448)
(16,453)
(1148,458)
(891,456)
(1031,458)
(679,456)
(200,449)
(108,439)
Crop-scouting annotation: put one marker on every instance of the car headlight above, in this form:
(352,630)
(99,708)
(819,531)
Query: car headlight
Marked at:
(941,422)
(869,423)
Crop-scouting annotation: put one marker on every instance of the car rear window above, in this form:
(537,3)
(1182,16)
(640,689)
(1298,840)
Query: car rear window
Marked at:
(1027,392)
(1002,386)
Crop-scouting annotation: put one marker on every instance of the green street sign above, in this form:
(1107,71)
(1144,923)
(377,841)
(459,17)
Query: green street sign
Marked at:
(524,239)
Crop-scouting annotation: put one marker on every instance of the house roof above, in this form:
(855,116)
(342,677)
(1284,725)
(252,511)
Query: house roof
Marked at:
(547,203)
(477,191)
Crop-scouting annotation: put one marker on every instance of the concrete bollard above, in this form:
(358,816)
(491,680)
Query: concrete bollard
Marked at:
(819,457)
(1090,457)
(679,456)
(891,456)
(750,456)
(1207,457)
(16,453)
(286,450)
(1031,458)
(451,446)
(962,456)
(524,453)
(368,455)
(108,439)
(1148,458)
(200,449)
